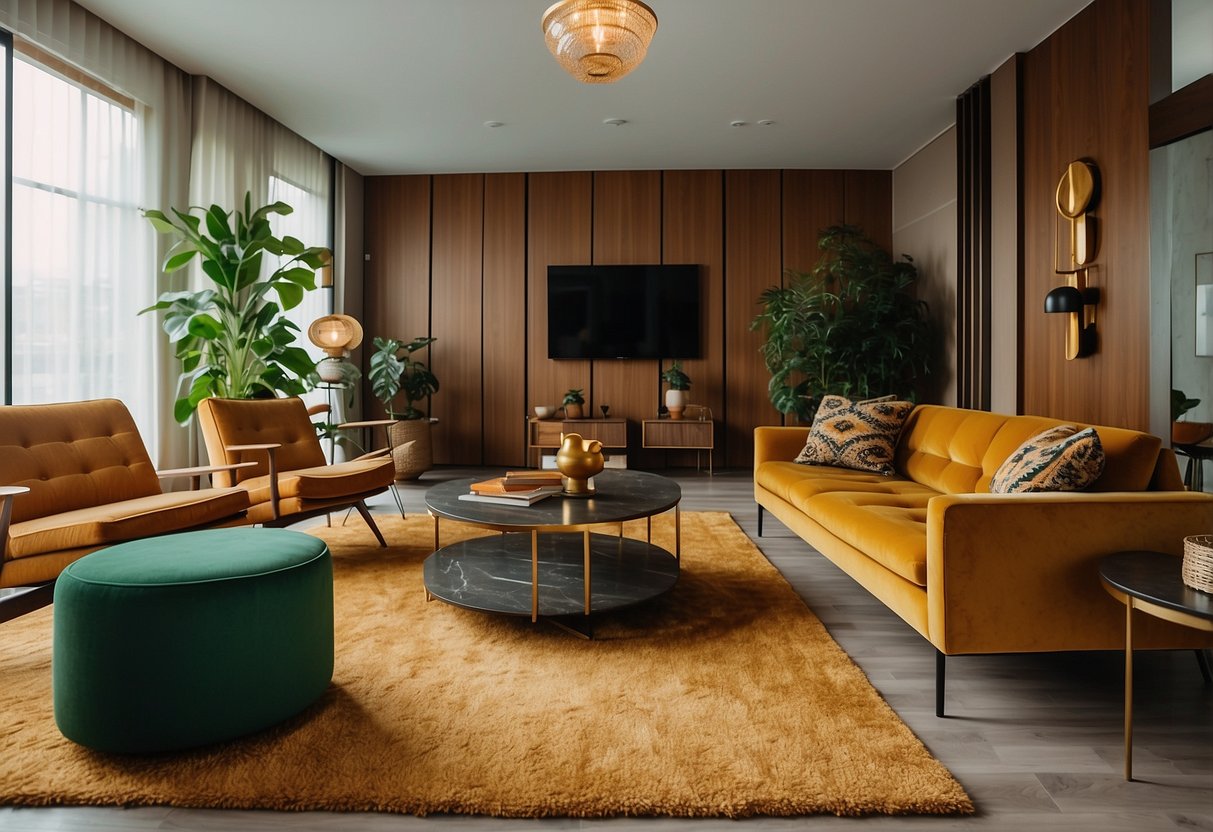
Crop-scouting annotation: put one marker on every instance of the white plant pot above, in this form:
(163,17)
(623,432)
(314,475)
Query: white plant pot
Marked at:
(330,370)
(675,402)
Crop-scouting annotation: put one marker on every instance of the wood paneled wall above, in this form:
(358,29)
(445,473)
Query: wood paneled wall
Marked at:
(1086,95)
(464,258)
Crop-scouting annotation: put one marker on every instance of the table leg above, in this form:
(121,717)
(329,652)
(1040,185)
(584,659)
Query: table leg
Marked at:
(435,516)
(1128,688)
(648,529)
(534,575)
(677,533)
(586,535)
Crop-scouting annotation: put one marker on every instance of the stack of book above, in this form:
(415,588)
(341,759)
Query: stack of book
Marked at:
(516,488)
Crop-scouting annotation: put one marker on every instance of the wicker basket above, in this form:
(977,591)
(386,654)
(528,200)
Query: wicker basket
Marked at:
(412,449)
(1197,571)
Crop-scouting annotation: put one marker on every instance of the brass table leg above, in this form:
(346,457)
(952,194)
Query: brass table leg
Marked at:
(534,575)
(435,516)
(1128,688)
(677,533)
(648,529)
(586,535)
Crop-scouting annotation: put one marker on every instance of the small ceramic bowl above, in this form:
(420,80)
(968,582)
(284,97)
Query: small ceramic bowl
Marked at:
(545,412)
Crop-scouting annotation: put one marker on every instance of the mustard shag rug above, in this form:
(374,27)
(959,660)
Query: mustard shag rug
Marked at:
(725,697)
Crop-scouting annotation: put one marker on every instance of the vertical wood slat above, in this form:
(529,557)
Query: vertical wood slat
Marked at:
(692,232)
(504,319)
(627,231)
(974,231)
(752,263)
(559,209)
(397,275)
(455,316)
(1085,95)
(812,201)
(869,204)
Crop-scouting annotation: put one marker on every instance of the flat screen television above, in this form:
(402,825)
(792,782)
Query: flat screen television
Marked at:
(623,312)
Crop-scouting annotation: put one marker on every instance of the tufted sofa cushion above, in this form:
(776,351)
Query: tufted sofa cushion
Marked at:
(73,456)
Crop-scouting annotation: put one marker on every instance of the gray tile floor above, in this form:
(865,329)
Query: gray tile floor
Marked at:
(1035,739)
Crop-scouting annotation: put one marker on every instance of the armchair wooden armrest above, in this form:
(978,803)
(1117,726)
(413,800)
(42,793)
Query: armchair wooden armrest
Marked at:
(269,448)
(7,493)
(373,423)
(195,473)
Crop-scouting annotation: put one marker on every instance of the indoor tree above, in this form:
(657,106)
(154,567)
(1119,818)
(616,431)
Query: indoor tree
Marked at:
(852,326)
(231,338)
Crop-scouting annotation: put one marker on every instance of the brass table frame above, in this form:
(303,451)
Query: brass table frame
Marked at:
(584,528)
(1131,603)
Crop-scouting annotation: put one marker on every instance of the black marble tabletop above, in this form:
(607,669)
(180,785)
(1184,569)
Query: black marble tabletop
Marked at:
(1154,577)
(621,495)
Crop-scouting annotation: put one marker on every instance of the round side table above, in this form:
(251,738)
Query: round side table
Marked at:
(1149,582)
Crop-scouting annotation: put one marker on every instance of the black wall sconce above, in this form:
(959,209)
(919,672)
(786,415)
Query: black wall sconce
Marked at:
(1077,194)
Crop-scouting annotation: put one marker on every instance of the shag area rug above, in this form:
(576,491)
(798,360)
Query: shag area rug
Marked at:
(725,697)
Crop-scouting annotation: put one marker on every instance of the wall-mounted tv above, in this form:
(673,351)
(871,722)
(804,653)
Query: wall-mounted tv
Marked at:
(623,312)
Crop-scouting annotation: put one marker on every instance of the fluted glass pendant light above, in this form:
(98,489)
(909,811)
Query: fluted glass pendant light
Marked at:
(599,41)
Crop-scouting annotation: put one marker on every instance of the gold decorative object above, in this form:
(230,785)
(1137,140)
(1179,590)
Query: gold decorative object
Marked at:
(579,459)
(335,334)
(599,41)
(1077,194)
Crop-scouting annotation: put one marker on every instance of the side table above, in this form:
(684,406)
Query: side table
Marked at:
(1150,582)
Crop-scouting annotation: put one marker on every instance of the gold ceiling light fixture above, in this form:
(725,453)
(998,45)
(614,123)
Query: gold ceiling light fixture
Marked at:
(599,41)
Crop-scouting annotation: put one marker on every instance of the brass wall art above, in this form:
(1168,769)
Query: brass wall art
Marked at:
(1077,195)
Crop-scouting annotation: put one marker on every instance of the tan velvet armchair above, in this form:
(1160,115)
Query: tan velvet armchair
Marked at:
(291,480)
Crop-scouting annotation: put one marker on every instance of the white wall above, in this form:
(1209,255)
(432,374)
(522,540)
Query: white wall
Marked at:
(924,227)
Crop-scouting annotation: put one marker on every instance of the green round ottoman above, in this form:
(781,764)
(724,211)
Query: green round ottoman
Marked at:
(188,639)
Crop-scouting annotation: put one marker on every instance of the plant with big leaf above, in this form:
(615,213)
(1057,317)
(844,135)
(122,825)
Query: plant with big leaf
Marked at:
(393,370)
(232,339)
(852,326)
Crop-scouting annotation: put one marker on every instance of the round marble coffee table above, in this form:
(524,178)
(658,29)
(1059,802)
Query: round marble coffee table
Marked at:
(548,561)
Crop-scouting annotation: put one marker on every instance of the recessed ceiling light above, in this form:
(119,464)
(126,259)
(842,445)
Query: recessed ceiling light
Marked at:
(614,122)
(766,122)
(494,124)
(737,123)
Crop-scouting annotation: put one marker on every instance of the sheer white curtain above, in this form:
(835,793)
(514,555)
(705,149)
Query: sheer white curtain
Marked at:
(77,223)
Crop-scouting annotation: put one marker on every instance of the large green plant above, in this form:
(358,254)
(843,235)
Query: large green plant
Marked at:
(232,339)
(852,326)
(393,370)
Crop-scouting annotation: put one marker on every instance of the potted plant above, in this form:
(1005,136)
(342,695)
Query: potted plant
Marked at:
(231,338)
(573,403)
(676,395)
(393,371)
(852,326)
(1186,433)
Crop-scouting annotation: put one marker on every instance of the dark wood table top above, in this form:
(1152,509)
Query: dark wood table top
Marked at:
(1154,577)
(621,495)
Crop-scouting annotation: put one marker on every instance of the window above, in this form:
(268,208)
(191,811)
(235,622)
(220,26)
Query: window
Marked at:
(82,256)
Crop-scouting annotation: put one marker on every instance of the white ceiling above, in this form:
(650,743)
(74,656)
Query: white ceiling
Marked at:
(405,86)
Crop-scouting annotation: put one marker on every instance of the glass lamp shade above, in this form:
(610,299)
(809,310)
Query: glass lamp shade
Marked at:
(335,334)
(1064,299)
(599,41)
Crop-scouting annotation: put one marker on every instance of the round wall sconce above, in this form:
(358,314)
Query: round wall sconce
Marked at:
(1079,304)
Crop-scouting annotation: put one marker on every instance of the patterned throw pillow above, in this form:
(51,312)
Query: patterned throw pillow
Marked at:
(858,435)
(1063,458)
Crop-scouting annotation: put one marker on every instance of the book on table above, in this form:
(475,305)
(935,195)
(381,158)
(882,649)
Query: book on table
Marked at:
(532,478)
(502,486)
(512,499)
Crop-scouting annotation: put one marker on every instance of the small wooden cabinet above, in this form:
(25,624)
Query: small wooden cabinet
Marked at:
(543,434)
(695,434)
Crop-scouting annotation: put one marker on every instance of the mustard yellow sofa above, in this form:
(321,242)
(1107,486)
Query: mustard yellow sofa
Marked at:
(91,485)
(976,572)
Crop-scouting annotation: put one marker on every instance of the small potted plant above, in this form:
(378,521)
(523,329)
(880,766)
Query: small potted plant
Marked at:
(1186,433)
(393,371)
(676,395)
(573,403)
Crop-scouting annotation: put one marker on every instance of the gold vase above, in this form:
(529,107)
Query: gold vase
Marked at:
(579,459)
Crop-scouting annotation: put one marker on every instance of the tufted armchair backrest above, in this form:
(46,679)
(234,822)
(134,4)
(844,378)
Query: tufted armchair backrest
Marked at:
(227,422)
(73,455)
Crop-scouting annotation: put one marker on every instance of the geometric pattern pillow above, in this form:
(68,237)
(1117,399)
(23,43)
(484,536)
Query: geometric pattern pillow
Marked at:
(1063,458)
(858,435)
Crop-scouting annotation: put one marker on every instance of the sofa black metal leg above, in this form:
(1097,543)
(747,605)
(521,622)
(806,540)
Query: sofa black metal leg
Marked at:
(1202,661)
(940,674)
(370,521)
(760,521)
